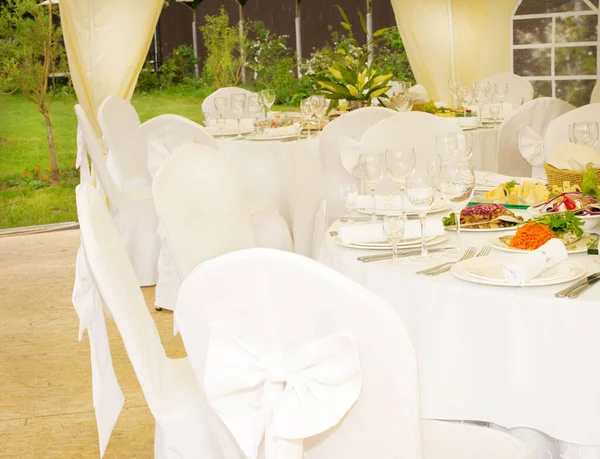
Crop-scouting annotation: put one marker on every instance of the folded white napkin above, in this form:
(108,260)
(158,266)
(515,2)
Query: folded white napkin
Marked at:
(531,146)
(282,131)
(574,156)
(350,151)
(522,269)
(373,232)
(418,93)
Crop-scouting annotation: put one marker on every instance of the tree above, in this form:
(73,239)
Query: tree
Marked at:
(31,52)
(193,5)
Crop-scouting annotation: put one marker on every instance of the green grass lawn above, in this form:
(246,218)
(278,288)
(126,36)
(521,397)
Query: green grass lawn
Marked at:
(30,200)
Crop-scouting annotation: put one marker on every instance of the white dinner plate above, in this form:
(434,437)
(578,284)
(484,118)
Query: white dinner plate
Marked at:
(479,230)
(439,206)
(273,138)
(488,271)
(384,245)
(580,246)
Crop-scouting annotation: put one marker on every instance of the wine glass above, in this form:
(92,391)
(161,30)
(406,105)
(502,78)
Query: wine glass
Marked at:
(238,106)
(464,145)
(446,147)
(501,90)
(584,133)
(457,183)
(221,124)
(307,109)
(393,228)
(320,106)
(495,110)
(371,170)
(268,97)
(254,109)
(220,104)
(400,164)
(434,167)
(349,195)
(403,103)
(421,194)
(453,88)
(464,97)
(481,93)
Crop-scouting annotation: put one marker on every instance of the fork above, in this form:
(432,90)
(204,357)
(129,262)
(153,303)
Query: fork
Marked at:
(482,253)
(470,253)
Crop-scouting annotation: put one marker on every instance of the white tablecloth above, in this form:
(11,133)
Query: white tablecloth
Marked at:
(288,173)
(485,151)
(517,357)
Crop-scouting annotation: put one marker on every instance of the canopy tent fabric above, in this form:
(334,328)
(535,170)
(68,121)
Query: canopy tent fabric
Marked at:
(106,42)
(464,39)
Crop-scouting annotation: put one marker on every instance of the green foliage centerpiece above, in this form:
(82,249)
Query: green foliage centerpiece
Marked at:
(352,75)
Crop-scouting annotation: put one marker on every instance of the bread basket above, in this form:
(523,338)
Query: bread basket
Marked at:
(559,176)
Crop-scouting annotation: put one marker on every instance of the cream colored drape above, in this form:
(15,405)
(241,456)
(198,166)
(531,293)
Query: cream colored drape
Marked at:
(481,39)
(107,42)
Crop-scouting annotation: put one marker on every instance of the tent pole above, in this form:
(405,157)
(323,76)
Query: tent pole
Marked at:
(451,32)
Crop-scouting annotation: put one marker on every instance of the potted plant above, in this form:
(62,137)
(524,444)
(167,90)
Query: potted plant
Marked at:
(352,75)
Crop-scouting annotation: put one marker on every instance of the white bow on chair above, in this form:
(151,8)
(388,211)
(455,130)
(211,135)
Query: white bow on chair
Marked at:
(531,146)
(298,397)
(350,151)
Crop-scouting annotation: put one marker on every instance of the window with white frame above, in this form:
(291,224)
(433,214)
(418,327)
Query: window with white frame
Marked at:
(555,45)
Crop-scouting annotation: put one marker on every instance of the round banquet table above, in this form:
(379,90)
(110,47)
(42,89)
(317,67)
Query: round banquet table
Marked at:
(515,357)
(287,173)
(485,150)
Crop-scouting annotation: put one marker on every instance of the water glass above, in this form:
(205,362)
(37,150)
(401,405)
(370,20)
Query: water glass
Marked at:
(349,195)
(445,146)
(501,90)
(307,109)
(254,109)
(464,145)
(400,164)
(421,193)
(434,167)
(393,228)
(371,170)
(220,104)
(403,103)
(457,183)
(495,110)
(464,97)
(584,133)
(268,97)
(320,106)
(238,106)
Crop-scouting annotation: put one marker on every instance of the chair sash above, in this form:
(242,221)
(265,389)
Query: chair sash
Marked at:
(284,401)
(81,161)
(531,146)
(107,396)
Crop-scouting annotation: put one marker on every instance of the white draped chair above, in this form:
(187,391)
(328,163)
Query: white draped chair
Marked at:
(518,87)
(106,278)
(595,97)
(558,129)
(208,105)
(164,133)
(132,208)
(200,205)
(299,361)
(520,136)
(127,157)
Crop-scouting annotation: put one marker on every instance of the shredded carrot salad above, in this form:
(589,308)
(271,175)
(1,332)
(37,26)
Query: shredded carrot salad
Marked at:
(531,236)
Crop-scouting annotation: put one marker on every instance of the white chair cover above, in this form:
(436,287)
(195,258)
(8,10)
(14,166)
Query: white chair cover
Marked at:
(164,133)
(595,97)
(127,158)
(283,305)
(416,130)
(558,129)
(515,143)
(201,211)
(132,209)
(518,87)
(208,105)
(352,125)
(183,428)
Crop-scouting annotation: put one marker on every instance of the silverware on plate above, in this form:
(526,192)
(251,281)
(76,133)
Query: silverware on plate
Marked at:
(401,254)
(579,290)
(470,253)
(577,285)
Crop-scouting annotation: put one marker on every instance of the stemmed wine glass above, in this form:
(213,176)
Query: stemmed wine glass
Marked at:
(453,86)
(457,183)
(393,228)
(501,90)
(254,109)
(400,164)
(584,133)
(307,109)
(421,193)
(238,106)
(320,106)
(464,97)
(464,145)
(349,195)
(220,104)
(495,110)
(481,93)
(371,170)
(446,147)
(268,98)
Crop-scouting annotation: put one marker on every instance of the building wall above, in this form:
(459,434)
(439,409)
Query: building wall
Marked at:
(278,15)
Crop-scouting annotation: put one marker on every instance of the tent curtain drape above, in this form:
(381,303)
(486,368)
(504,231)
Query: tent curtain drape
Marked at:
(107,42)
(481,39)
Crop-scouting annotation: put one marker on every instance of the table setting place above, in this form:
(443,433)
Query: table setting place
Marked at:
(519,232)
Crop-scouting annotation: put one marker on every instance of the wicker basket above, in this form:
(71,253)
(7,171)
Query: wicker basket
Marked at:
(559,176)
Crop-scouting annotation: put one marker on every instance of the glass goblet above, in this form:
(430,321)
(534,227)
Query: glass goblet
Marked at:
(400,164)
(268,96)
(307,109)
(584,133)
(464,145)
(349,195)
(371,170)
(220,104)
(320,107)
(393,228)
(446,147)
(495,110)
(254,109)
(238,106)
(421,193)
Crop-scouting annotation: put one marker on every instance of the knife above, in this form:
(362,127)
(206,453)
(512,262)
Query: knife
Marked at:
(388,256)
(565,292)
(580,290)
